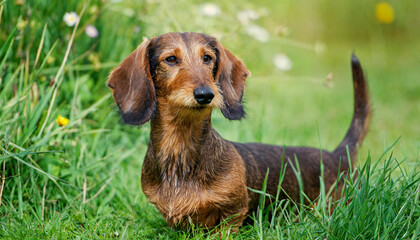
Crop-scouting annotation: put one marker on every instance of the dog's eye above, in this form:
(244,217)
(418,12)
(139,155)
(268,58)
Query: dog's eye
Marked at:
(207,58)
(171,60)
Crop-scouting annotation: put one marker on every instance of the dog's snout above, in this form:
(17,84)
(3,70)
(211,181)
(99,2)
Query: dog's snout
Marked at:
(203,95)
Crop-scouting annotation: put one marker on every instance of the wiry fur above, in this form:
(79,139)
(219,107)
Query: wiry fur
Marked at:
(190,173)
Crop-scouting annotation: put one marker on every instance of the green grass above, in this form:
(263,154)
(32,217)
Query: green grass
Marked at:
(83,180)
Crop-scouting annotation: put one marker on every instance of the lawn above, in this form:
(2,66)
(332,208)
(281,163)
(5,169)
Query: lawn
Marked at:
(81,179)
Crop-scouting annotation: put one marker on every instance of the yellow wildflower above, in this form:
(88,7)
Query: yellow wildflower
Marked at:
(62,121)
(384,12)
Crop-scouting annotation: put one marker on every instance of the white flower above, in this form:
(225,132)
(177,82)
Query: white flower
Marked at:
(247,15)
(91,31)
(70,18)
(282,62)
(210,10)
(258,33)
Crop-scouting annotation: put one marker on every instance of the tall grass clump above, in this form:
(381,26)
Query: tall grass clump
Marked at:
(52,175)
(380,200)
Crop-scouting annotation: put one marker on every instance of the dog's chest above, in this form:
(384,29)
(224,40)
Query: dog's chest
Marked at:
(213,190)
(185,203)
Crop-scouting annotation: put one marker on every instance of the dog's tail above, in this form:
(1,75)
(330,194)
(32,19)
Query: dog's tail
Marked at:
(361,116)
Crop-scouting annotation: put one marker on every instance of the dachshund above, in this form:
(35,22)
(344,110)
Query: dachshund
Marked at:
(190,173)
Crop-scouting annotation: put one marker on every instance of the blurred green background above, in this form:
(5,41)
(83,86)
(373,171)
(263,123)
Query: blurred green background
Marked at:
(300,91)
(317,37)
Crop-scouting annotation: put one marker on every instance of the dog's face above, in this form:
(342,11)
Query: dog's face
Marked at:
(186,71)
(183,70)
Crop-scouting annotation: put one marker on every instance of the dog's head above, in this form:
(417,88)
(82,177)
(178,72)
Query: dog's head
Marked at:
(189,71)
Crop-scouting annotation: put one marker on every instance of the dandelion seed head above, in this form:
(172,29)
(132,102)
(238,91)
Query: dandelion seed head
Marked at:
(258,33)
(282,62)
(246,16)
(210,10)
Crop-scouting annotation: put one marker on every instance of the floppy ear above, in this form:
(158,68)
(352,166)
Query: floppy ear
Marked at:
(133,88)
(231,74)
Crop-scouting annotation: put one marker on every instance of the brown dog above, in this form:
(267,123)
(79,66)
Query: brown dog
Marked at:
(190,173)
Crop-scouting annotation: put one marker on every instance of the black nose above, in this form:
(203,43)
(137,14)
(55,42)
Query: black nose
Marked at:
(203,95)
